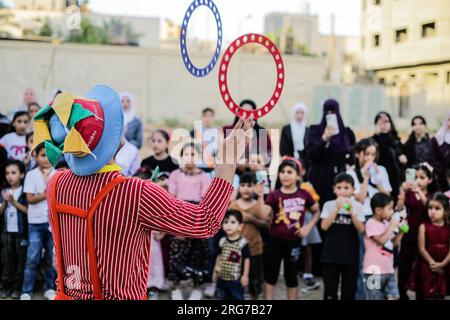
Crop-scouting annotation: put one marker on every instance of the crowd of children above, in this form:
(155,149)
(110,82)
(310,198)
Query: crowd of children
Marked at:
(363,231)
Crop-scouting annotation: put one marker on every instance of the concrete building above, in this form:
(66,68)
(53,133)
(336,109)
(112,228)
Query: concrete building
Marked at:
(298,34)
(45,5)
(406,47)
(27,17)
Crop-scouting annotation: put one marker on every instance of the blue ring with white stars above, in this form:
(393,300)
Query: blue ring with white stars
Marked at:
(197,72)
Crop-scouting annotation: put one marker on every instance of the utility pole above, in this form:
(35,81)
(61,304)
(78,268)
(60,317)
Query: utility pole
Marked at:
(331,48)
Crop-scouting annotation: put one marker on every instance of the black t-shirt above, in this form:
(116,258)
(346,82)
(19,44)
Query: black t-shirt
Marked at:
(166,165)
(341,244)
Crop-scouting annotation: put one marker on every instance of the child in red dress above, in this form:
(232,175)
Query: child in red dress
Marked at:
(432,277)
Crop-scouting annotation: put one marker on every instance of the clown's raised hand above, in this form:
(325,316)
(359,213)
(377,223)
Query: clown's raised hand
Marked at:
(232,148)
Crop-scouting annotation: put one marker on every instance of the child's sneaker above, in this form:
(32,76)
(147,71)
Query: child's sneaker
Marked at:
(5,294)
(311,284)
(196,294)
(153,295)
(15,295)
(25,296)
(49,294)
(176,294)
(210,290)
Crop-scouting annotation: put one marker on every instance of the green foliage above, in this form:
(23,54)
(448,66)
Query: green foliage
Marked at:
(114,31)
(46,29)
(88,33)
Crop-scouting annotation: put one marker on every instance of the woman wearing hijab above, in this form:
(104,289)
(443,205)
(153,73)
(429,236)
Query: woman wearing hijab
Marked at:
(294,135)
(261,143)
(329,145)
(390,153)
(417,147)
(439,156)
(133,124)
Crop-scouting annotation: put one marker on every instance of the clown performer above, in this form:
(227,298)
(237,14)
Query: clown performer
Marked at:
(101,220)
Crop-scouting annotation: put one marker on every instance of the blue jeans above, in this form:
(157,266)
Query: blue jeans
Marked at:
(39,238)
(382,286)
(230,290)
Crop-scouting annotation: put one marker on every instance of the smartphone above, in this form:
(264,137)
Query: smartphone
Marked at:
(332,122)
(410,175)
(260,177)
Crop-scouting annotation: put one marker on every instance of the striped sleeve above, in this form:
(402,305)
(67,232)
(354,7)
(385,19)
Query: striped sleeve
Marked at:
(160,211)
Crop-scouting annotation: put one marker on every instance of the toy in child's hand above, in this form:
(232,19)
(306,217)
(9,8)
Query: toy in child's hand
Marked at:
(401,218)
(347,206)
(260,178)
(155,174)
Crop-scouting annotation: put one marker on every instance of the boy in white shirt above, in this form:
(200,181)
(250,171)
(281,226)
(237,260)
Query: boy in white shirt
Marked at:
(39,234)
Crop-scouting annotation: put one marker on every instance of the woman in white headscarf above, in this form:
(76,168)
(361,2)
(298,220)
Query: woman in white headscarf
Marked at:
(439,156)
(294,135)
(133,124)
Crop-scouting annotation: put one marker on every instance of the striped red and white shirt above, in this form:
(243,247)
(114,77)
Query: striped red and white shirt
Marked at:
(122,225)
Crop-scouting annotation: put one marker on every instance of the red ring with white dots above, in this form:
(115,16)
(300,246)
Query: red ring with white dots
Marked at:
(223,75)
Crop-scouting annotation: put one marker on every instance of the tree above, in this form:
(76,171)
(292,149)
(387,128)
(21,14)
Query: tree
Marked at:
(88,33)
(46,29)
(84,6)
(113,32)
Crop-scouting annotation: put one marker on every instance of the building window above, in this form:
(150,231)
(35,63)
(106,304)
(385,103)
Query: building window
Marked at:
(412,76)
(376,40)
(428,30)
(431,78)
(377,2)
(448,77)
(401,35)
(382,81)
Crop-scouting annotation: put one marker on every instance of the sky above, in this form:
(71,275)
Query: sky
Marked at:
(238,16)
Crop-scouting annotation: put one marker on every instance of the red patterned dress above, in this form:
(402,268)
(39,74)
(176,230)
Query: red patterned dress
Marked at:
(426,283)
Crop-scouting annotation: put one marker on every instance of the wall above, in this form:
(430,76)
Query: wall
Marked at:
(158,78)
(391,15)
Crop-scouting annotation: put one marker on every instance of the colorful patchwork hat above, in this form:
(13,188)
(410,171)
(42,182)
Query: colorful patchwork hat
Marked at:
(86,131)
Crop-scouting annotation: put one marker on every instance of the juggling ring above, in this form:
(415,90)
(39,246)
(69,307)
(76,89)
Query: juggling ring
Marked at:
(184,53)
(223,71)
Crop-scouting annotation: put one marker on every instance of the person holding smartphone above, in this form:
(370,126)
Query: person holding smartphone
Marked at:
(329,143)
